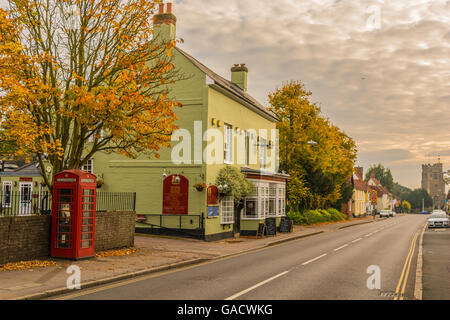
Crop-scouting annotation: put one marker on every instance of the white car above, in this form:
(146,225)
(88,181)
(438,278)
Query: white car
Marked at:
(393,213)
(438,220)
(385,213)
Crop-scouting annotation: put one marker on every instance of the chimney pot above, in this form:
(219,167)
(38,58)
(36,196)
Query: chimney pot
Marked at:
(169,7)
(161,8)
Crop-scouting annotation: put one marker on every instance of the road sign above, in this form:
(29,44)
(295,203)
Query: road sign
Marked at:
(374,197)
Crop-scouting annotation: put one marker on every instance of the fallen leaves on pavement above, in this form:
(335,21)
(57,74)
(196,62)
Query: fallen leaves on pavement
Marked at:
(115,253)
(23,265)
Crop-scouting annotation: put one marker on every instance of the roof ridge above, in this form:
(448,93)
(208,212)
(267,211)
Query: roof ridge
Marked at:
(227,84)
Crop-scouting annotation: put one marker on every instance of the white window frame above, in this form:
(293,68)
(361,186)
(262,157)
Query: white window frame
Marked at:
(4,185)
(247,138)
(228,144)
(261,195)
(89,163)
(273,192)
(227,210)
(262,153)
(281,200)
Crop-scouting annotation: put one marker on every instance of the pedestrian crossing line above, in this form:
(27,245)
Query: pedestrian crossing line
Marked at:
(312,260)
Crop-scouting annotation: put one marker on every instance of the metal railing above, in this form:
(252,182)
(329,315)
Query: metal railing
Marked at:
(192,225)
(116,201)
(15,203)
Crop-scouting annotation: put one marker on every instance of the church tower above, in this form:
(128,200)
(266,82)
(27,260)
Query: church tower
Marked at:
(433,182)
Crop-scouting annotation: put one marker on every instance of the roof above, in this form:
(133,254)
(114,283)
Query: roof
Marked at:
(30,169)
(229,86)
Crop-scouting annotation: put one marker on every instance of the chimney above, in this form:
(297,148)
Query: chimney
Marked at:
(359,171)
(164,23)
(239,76)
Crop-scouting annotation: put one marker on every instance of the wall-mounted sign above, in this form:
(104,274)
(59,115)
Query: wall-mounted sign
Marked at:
(66,180)
(213,211)
(175,195)
(212,196)
(22,179)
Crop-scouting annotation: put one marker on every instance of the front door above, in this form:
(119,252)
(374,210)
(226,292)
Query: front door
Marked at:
(237,217)
(25,198)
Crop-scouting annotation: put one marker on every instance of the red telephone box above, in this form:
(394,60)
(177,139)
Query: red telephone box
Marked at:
(73,215)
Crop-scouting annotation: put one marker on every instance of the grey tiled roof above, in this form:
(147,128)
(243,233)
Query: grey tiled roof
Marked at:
(228,85)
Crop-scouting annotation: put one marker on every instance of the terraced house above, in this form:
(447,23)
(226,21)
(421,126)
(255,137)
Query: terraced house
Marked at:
(216,112)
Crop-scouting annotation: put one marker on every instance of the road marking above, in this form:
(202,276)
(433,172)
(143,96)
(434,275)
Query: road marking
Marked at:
(255,286)
(356,240)
(409,268)
(406,265)
(341,247)
(312,260)
(368,235)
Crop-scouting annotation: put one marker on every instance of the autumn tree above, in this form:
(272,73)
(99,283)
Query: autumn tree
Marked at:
(382,174)
(319,172)
(80,77)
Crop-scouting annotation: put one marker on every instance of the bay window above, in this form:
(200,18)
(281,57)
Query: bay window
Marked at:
(266,200)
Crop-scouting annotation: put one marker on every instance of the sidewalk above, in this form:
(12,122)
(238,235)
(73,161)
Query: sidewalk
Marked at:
(436,267)
(151,254)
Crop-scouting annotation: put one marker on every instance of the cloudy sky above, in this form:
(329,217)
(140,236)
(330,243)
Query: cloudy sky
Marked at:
(379,68)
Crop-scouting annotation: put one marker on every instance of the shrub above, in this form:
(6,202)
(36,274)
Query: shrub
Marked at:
(310,217)
(337,215)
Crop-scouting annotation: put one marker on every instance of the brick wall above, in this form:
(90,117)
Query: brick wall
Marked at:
(24,238)
(28,238)
(114,230)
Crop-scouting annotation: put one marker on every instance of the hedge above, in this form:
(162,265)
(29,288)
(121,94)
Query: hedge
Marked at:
(311,217)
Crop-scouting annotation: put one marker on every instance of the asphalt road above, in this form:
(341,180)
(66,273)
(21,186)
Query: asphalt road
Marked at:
(332,265)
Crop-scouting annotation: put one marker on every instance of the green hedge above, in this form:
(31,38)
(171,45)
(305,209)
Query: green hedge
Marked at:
(311,217)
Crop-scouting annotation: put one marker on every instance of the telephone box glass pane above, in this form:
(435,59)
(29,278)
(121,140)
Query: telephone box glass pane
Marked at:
(64,209)
(87,215)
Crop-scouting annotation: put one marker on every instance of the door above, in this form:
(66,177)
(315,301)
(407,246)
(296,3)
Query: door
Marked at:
(25,198)
(237,216)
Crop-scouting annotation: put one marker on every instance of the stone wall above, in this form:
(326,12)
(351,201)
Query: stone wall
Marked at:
(28,237)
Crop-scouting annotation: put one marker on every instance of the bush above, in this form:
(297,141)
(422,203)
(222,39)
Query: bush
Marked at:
(311,217)
(337,215)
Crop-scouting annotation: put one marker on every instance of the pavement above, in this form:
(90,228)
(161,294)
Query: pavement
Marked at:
(371,261)
(153,254)
(436,264)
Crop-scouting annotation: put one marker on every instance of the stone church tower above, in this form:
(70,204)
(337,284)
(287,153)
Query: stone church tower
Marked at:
(433,182)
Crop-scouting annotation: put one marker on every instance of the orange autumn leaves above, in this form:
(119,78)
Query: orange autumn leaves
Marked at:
(70,91)
(317,172)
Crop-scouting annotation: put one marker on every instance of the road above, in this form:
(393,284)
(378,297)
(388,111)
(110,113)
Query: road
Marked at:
(327,266)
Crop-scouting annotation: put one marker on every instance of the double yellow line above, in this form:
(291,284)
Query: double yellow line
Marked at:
(405,271)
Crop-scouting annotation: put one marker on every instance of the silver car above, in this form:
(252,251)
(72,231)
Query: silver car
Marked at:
(438,220)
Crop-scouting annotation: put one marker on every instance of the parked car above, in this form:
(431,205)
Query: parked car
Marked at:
(385,213)
(393,213)
(438,220)
(425,212)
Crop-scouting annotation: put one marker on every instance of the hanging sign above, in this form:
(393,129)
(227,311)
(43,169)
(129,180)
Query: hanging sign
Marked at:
(175,195)
(212,196)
